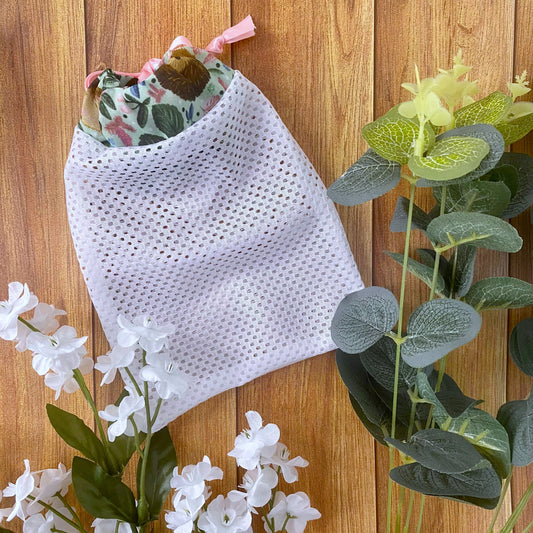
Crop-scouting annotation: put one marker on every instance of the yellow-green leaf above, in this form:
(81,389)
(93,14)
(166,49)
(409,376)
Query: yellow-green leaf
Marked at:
(514,130)
(488,110)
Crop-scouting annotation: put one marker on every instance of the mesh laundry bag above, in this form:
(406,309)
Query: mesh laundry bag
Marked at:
(225,231)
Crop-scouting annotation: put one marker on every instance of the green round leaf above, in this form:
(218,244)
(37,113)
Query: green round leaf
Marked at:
(475,229)
(369,177)
(521,346)
(523,164)
(514,130)
(450,158)
(363,317)
(436,328)
(489,110)
(393,136)
(500,293)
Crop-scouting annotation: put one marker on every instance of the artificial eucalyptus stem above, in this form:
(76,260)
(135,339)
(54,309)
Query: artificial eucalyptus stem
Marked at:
(398,344)
(421,513)
(438,251)
(500,501)
(509,525)
(409,511)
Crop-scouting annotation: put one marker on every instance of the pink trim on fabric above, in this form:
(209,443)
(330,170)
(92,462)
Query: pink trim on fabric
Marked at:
(243,30)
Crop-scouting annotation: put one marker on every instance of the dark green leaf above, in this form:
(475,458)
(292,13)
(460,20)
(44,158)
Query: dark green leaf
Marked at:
(148,138)
(122,449)
(104,111)
(108,100)
(100,494)
(427,257)
(439,450)
(489,110)
(168,119)
(464,270)
(363,317)
(142,115)
(398,223)
(500,293)
(436,328)
(77,434)
(4,530)
(521,346)
(161,463)
(506,174)
(369,177)
(523,164)
(375,430)
(517,418)
(475,229)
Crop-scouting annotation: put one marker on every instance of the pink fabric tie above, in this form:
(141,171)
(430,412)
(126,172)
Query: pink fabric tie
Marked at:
(244,29)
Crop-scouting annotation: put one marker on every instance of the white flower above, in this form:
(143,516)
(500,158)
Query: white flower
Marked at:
(47,523)
(225,515)
(109,525)
(181,520)
(19,301)
(43,319)
(53,481)
(145,331)
(21,489)
(59,381)
(119,416)
(59,352)
(288,466)
(258,441)
(296,507)
(169,380)
(118,357)
(258,485)
(191,482)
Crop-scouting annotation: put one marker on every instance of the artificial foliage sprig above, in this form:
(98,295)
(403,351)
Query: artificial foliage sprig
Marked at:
(394,366)
(41,498)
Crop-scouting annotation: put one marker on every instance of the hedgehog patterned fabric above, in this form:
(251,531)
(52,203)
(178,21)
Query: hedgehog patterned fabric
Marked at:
(225,231)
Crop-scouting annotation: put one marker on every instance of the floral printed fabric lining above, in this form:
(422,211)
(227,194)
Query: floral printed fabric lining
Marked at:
(118,111)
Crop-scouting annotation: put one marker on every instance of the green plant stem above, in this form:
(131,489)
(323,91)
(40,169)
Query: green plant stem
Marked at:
(398,527)
(454,271)
(283,529)
(60,515)
(508,527)
(421,513)
(438,252)
(134,381)
(28,325)
(409,511)
(70,509)
(529,526)
(500,501)
(398,347)
(267,521)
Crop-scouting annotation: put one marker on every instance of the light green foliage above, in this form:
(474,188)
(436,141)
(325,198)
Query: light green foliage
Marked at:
(489,110)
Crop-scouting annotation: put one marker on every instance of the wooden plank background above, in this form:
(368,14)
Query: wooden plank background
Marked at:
(328,68)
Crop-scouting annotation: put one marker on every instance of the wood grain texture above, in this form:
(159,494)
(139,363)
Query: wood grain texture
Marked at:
(328,68)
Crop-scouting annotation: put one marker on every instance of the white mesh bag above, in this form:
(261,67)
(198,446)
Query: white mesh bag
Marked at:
(224,231)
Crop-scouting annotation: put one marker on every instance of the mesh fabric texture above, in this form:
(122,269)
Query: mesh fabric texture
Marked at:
(224,231)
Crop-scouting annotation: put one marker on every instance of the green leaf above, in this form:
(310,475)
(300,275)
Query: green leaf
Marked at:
(399,220)
(439,450)
(427,257)
(161,463)
(523,164)
(477,426)
(486,197)
(464,270)
(500,293)
(122,448)
(521,346)
(377,431)
(100,494)
(393,136)
(476,229)
(77,434)
(379,361)
(148,138)
(363,317)
(421,271)
(485,132)
(142,115)
(103,110)
(517,418)
(436,328)
(168,119)
(369,177)
(514,130)
(450,158)
(108,100)
(506,174)
(489,110)
(4,530)
(483,483)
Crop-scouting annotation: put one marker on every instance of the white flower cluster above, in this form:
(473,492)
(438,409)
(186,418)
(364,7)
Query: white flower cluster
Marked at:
(259,451)
(56,352)
(31,490)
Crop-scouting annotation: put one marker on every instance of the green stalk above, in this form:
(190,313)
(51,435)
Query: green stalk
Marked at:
(508,527)
(267,521)
(409,511)
(69,507)
(80,528)
(530,525)
(500,501)
(398,527)
(438,251)
(421,513)
(134,381)
(283,529)
(398,346)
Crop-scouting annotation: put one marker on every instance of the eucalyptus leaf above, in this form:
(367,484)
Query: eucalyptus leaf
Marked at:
(521,346)
(482,483)
(427,257)
(450,159)
(514,130)
(420,219)
(363,317)
(464,270)
(485,132)
(375,430)
(393,136)
(445,452)
(369,177)
(486,197)
(523,164)
(422,272)
(489,110)
(506,174)
(100,494)
(517,418)
(436,328)
(475,229)
(500,293)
